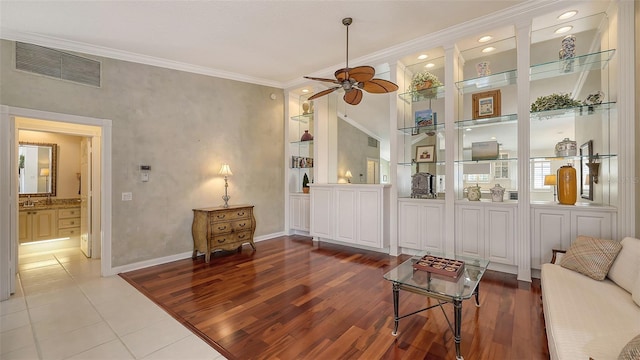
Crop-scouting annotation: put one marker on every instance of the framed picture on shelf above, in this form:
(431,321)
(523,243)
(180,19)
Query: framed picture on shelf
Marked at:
(425,153)
(486,104)
(586,180)
(425,117)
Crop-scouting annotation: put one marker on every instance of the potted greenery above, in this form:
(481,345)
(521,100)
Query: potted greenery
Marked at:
(554,102)
(424,80)
(305,184)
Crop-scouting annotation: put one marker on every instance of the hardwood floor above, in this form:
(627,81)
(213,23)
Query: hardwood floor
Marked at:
(295,299)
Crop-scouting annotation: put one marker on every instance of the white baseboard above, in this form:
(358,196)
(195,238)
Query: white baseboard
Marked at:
(176,257)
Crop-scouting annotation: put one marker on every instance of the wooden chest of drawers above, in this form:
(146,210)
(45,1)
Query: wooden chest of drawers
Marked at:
(222,228)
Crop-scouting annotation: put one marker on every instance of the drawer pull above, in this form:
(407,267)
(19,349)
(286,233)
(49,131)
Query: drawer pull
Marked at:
(221,216)
(241,213)
(220,241)
(242,225)
(222,227)
(73,222)
(242,236)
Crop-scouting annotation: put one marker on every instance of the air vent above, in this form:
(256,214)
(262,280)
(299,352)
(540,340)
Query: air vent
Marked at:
(57,64)
(373,142)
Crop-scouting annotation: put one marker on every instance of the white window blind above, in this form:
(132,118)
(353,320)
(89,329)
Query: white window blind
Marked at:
(538,172)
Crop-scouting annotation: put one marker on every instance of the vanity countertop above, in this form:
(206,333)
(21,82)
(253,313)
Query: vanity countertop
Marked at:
(55,204)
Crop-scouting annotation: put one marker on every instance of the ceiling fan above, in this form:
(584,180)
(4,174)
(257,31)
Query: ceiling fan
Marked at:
(354,80)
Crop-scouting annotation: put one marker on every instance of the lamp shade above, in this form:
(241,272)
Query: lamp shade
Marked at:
(225,170)
(348,174)
(550,179)
(44,172)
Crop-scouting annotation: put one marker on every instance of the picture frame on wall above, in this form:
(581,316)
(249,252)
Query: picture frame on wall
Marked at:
(586,180)
(486,104)
(425,153)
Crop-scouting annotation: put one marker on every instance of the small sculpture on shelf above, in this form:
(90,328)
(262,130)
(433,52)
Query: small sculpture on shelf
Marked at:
(305,184)
(422,185)
(473,193)
(566,147)
(497,193)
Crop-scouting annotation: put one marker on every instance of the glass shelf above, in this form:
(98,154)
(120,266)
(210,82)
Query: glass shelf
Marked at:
(436,92)
(422,129)
(484,161)
(488,82)
(304,118)
(415,163)
(310,142)
(577,64)
(504,119)
(567,158)
(573,111)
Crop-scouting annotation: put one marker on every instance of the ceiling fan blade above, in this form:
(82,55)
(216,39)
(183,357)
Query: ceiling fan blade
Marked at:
(378,86)
(324,92)
(362,73)
(321,79)
(353,97)
(342,74)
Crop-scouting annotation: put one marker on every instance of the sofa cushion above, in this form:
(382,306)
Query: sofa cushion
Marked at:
(626,267)
(631,351)
(591,256)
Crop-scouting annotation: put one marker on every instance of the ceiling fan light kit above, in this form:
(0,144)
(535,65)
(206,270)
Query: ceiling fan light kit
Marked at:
(354,80)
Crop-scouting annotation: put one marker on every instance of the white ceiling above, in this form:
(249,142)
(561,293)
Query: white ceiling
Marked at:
(268,42)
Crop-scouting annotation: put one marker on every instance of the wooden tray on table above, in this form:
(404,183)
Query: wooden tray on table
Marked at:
(439,265)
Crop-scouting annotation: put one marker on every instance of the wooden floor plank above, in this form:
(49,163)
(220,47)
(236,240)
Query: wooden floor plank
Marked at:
(296,299)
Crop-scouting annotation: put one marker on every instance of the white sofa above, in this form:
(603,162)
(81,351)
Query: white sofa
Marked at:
(587,318)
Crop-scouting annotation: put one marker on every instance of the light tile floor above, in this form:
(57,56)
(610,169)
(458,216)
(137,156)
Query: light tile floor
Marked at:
(63,309)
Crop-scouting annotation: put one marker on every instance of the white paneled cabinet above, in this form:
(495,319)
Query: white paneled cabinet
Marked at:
(299,212)
(555,227)
(486,230)
(352,214)
(421,225)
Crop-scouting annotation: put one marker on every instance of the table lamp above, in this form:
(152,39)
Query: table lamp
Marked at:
(551,180)
(226,171)
(45,172)
(348,176)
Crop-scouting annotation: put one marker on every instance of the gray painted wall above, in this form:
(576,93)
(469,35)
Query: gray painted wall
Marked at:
(353,151)
(185,126)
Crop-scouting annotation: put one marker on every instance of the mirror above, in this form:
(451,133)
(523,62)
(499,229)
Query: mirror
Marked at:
(37,169)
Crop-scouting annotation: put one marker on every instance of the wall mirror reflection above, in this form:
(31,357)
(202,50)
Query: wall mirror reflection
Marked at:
(37,169)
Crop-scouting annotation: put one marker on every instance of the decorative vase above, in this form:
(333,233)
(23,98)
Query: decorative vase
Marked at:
(566,147)
(306,136)
(567,186)
(305,190)
(473,193)
(497,193)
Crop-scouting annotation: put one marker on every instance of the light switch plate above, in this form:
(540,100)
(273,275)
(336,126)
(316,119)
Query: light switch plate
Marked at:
(127,196)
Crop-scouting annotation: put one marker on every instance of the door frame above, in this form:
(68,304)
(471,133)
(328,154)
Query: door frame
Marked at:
(63,123)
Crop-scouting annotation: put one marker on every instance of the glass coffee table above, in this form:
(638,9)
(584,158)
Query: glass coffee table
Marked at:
(445,289)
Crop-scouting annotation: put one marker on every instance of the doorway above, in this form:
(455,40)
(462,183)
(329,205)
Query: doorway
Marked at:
(12,120)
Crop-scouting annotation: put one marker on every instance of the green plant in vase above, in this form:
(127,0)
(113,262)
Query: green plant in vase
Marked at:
(424,84)
(554,102)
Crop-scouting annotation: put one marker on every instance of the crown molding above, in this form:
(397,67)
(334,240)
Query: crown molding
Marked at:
(89,49)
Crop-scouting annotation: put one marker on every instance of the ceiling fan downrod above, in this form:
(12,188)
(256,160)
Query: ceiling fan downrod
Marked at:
(346,22)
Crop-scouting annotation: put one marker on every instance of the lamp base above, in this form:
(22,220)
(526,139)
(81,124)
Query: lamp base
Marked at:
(226,201)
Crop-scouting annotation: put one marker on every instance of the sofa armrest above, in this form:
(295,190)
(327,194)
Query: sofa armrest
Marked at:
(555,253)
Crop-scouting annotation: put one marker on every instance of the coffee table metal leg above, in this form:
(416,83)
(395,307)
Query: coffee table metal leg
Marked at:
(396,307)
(457,306)
(477,291)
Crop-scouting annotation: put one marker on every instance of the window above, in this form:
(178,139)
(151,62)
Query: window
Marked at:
(501,168)
(538,171)
(477,178)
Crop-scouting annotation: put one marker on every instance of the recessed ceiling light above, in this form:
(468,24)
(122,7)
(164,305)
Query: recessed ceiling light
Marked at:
(493,138)
(567,15)
(430,65)
(305,91)
(563,29)
(423,56)
(488,49)
(468,129)
(485,38)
